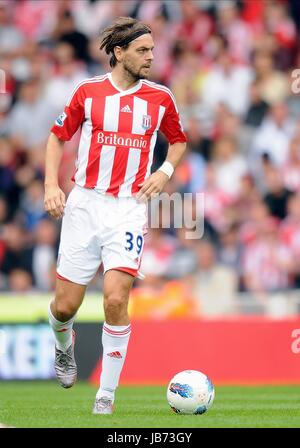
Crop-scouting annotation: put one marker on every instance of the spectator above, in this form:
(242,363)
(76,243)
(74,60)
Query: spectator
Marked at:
(282,27)
(92,16)
(216,201)
(236,31)
(18,254)
(290,234)
(35,19)
(251,227)
(230,249)
(29,119)
(5,100)
(11,39)
(277,195)
(183,261)
(258,108)
(44,254)
(214,285)
(66,32)
(291,168)
(227,83)
(229,125)
(32,209)
(198,143)
(229,166)
(185,78)
(19,281)
(195,26)
(158,251)
(267,263)
(295,13)
(272,84)
(8,184)
(190,175)
(3,212)
(98,63)
(248,195)
(69,72)
(3,220)
(162,63)
(273,137)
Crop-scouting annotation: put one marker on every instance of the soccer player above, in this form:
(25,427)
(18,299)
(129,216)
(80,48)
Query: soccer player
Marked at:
(104,218)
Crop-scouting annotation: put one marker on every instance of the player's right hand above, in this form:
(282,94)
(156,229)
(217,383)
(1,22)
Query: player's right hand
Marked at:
(54,201)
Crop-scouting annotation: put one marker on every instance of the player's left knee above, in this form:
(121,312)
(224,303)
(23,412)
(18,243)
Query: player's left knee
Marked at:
(115,302)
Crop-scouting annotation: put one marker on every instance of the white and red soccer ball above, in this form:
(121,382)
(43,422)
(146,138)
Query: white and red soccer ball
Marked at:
(190,392)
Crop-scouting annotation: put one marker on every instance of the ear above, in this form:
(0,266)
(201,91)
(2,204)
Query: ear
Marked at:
(118,53)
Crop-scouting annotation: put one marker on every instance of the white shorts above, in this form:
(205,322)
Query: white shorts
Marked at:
(97,229)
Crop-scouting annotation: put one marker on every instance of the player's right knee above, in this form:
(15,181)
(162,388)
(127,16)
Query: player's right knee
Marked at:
(64,310)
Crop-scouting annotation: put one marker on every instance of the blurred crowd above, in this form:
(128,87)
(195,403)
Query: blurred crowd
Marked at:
(232,66)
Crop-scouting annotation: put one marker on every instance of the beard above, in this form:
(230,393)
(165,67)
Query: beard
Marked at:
(134,73)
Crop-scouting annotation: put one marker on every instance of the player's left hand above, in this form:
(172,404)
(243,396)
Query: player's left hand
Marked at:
(152,186)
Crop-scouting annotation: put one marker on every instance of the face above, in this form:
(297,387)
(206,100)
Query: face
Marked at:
(224,150)
(137,58)
(206,255)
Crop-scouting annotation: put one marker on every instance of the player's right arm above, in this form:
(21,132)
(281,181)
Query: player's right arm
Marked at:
(54,200)
(63,130)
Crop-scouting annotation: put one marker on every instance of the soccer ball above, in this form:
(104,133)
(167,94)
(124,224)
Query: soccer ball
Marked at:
(190,392)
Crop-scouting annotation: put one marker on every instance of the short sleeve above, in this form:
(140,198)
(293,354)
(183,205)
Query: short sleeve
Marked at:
(72,117)
(171,125)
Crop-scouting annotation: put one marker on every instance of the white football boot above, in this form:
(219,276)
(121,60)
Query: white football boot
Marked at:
(65,365)
(103,405)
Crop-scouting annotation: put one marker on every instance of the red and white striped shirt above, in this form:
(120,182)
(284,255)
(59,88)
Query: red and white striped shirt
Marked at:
(118,132)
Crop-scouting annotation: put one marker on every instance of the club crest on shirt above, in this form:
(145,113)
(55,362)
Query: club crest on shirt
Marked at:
(60,120)
(146,123)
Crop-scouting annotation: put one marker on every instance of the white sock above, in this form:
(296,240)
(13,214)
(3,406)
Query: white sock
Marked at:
(115,341)
(62,331)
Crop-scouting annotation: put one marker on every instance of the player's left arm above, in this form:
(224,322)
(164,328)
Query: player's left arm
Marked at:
(172,129)
(157,181)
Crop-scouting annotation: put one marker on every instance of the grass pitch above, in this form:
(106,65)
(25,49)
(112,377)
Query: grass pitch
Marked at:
(46,405)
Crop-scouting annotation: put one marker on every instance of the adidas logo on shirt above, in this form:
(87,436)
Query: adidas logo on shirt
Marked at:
(126,109)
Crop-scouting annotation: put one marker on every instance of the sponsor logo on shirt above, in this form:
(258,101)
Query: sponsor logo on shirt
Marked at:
(123,139)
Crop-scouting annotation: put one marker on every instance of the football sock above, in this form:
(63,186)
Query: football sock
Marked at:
(115,341)
(62,331)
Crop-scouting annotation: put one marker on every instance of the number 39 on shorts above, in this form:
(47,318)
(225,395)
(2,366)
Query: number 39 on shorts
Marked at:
(134,242)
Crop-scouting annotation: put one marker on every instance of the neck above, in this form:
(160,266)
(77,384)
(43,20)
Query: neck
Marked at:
(123,79)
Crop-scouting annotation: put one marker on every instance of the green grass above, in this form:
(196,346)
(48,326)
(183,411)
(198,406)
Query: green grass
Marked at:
(45,404)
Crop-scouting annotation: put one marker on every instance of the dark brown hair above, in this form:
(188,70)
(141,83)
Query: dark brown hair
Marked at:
(120,33)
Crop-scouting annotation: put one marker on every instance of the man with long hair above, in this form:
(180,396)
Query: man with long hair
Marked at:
(104,218)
